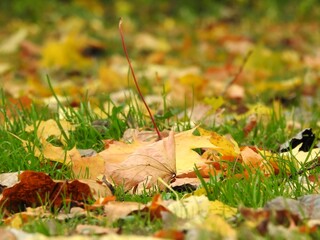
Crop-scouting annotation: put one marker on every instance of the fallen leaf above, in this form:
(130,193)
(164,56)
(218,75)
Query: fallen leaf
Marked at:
(94,230)
(144,165)
(65,52)
(98,190)
(155,208)
(203,214)
(9,179)
(170,234)
(11,44)
(4,68)
(186,157)
(225,145)
(147,42)
(37,189)
(46,129)
(251,158)
(115,210)
(6,234)
(214,102)
(190,207)
(87,167)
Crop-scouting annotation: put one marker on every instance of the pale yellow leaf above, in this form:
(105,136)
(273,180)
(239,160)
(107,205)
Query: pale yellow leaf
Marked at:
(190,207)
(89,167)
(186,157)
(50,127)
(133,165)
(12,43)
(301,157)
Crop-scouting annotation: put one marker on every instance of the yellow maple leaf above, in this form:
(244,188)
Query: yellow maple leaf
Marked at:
(200,213)
(46,129)
(185,156)
(225,145)
(214,102)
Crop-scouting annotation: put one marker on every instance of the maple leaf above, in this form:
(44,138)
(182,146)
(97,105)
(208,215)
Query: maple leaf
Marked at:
(144,164)
(36,189)
(200,213)
(90,167)
(48,128)
(186,157)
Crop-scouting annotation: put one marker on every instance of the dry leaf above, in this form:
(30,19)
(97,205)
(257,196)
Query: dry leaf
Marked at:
(93,230)
(186,157)
(203,214)
(88,167)
(9,179)
(36,189)
(170,234)
(155,208)
(190,207)
(98,190)
(50,128)
(251,158)
(145,165)
(11,44)
(6,234)
(115,210)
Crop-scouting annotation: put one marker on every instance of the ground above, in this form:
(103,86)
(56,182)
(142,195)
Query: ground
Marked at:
(222,124)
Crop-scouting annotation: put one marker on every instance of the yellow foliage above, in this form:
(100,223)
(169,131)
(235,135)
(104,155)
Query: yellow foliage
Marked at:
(110,79)
(191,80)
(276,86)
(65,52)
(214,102)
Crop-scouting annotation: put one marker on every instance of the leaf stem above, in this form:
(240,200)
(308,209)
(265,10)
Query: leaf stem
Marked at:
(236,76)
(135,80)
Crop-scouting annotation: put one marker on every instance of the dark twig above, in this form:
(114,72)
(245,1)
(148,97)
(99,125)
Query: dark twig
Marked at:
(309,168)
(235,78)
(135,80)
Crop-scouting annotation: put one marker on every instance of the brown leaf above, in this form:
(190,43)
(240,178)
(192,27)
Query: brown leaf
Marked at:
(155,208)
(7,234)
(170,234)
(144,165)
(36,189)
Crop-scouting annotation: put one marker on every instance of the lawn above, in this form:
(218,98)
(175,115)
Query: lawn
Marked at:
(146,120)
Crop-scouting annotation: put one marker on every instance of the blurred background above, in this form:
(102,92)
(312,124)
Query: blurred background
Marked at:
(190,48)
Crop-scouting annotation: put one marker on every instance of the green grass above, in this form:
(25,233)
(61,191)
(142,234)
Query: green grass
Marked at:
(90,130)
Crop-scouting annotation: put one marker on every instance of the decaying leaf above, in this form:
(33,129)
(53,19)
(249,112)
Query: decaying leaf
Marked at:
(88,167)
(144,165)
(36,189)
(203,214)
(49,128)
(46,129)
(115,210)
(11,44)
(186,157)
(93,229)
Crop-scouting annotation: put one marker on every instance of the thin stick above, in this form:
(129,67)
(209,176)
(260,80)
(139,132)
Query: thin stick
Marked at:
(135,80)
(235,78)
